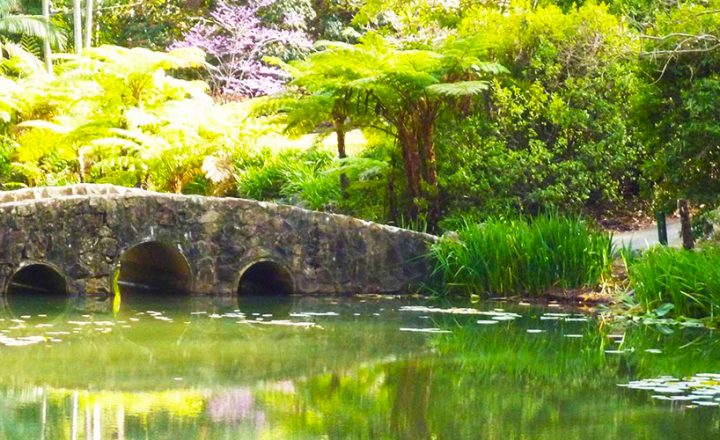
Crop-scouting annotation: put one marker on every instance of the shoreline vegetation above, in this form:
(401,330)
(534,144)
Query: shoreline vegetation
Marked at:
(407,114)
(555,257)
(528,256)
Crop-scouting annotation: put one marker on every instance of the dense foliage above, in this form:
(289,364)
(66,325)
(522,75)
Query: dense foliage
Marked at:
(455,108)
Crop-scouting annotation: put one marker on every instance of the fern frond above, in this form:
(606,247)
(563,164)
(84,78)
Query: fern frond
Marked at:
(458,89)
(46,125)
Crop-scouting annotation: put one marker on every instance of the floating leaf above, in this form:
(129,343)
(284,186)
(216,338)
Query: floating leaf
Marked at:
(664,309)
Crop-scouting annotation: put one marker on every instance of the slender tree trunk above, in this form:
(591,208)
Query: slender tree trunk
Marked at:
(46,43)
(392,201)
(81,165)
(88,23)
(77,22)
(411,157)
(424,128)
(430,174)
(342,154)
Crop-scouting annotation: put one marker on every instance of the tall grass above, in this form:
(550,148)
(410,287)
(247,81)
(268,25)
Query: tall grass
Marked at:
(689,280)
(523,257)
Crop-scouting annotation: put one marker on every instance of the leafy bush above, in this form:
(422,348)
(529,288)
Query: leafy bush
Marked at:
(523,257)
(689,280)
(556,134)
(311,178)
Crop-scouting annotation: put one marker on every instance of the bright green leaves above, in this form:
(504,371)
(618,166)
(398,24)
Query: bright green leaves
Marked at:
(459,89)
(116,115)
(379,85)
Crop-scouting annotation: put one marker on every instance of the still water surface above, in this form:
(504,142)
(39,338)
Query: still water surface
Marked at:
(364,367)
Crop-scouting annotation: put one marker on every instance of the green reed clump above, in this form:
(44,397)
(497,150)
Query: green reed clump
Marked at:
(523,257)
(689,280)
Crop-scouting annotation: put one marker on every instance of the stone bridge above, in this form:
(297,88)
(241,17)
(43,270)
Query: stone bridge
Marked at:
(81,239)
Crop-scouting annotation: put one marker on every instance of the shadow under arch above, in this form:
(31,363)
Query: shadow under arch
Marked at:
(36,288)
(265,277)
(154,267)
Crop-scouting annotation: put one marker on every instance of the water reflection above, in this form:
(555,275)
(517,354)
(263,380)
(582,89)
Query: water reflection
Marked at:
(193,368)
(14,306)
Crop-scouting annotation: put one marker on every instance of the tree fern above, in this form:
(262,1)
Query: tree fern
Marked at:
(398,91)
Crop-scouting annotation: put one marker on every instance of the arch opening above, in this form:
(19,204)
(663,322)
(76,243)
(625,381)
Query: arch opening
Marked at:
(265,278)
(37,279)
(36,289)
(155,268)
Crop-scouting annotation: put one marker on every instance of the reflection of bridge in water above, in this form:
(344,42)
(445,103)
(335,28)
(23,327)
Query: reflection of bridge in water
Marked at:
(187,366)
(74,239)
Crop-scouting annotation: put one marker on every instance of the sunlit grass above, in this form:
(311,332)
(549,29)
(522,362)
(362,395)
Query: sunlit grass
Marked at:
(523,257)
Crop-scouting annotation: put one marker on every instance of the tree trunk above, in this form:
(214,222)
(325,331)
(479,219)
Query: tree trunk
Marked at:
(434,188)
(46,43)
(426,132)
(88,23)
(411,157)
(392,201)
(77,25)
(340,134)
(685,225)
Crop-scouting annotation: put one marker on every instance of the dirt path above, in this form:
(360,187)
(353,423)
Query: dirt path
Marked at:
(644,238)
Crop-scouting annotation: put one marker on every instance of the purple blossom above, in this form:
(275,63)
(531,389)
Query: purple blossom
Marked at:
(236,40)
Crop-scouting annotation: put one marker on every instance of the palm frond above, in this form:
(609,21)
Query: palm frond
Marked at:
(33,26)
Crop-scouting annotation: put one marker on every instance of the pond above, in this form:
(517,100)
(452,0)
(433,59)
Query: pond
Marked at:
(353,367)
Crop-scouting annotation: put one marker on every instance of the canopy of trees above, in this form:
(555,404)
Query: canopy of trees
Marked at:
(411,113)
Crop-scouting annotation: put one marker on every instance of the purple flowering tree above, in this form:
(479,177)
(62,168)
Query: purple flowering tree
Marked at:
(236,39)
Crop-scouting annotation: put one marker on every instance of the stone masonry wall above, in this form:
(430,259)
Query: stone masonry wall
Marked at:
(83,230)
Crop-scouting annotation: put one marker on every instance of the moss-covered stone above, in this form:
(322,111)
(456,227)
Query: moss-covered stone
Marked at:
(83,231)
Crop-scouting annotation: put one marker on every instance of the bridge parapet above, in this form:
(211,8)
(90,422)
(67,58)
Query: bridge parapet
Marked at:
(84,231)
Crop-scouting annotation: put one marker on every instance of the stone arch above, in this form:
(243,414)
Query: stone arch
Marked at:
(265,277)
(36,288)
(39,279)
(154,267)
